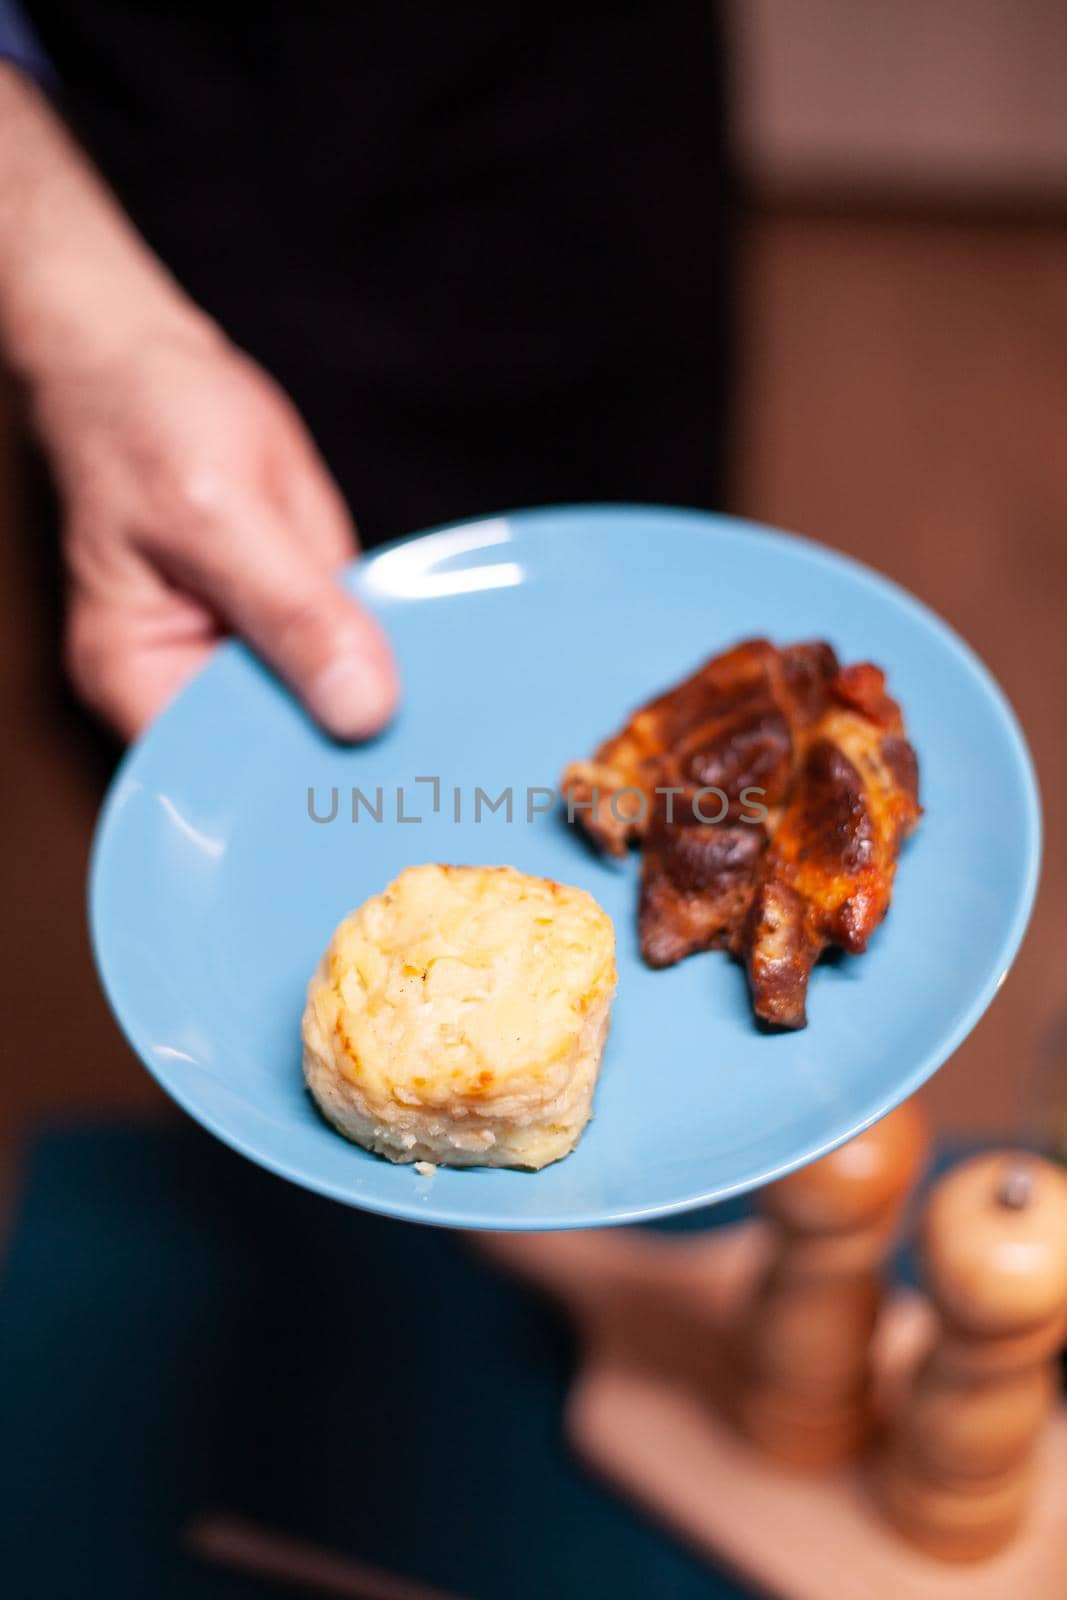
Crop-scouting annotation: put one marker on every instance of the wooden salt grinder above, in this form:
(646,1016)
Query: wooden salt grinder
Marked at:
(958,1460)
(801,1369)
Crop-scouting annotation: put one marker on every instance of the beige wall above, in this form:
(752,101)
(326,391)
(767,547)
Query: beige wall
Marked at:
(958,99)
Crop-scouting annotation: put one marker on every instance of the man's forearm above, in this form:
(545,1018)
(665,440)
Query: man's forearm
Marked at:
(77,283)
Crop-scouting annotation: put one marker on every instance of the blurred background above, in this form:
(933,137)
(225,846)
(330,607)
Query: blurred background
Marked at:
(903,397)
(179,1331)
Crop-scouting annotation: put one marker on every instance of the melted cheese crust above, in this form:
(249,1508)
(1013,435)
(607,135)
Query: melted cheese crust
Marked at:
(459,1017)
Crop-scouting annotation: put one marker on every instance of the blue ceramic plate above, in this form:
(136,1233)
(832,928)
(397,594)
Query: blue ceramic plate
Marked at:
(523,641)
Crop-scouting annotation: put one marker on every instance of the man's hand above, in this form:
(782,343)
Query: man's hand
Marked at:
(195,504)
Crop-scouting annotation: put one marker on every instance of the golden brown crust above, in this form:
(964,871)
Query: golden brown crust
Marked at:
(459,1017)
(827,877)
(697,883)
(824,747)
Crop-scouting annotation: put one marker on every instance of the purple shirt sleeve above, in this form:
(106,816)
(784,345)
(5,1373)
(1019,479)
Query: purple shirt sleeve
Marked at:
(20,45)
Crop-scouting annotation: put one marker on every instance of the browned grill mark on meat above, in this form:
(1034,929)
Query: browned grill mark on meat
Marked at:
(824,747)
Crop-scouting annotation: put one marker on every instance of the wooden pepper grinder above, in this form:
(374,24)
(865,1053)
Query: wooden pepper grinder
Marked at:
(956,1467)
(801,1367)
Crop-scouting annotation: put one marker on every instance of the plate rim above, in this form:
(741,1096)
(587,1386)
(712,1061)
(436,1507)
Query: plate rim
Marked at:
(706,522)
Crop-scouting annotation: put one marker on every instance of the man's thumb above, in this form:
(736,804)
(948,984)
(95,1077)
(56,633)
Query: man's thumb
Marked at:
(330,651)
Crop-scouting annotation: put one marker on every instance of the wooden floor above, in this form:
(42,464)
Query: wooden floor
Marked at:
(905,399)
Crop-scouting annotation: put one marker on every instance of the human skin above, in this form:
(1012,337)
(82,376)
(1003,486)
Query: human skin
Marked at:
(194,501)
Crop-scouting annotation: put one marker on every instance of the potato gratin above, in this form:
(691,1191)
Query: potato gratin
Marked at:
(459,1017)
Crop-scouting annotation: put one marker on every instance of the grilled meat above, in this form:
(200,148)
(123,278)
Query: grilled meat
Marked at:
(732,724)
(827,877)
(815,788)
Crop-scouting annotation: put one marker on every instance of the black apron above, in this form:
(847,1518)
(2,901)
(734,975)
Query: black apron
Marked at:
(485,249)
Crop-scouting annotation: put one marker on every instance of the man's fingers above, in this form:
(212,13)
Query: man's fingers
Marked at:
(320,517)
(291,610)
(129,652)
(333,655)
(125,675)
(331,651)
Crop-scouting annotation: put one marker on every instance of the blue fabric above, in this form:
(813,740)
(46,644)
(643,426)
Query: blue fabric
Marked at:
(19,43)
(180,1332)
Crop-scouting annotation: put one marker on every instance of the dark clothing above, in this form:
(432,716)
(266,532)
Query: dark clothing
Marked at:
(485,249)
